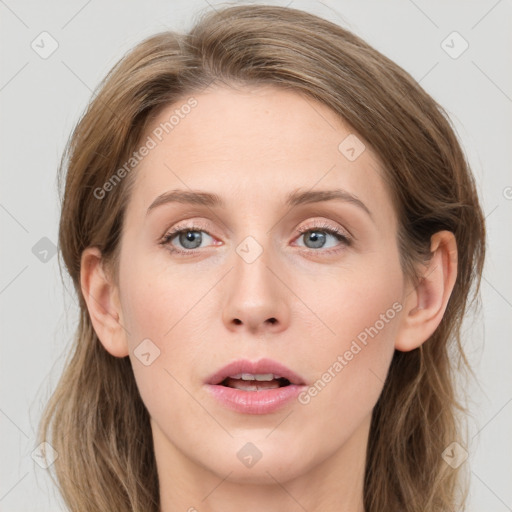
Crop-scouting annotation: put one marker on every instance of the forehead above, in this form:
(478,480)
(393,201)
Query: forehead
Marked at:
(255,144)
(237,123)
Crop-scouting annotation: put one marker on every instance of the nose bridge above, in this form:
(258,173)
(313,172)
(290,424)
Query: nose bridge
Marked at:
(255,296)
(252,261)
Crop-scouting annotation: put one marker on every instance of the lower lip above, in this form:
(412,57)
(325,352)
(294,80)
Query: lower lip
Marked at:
(254,402)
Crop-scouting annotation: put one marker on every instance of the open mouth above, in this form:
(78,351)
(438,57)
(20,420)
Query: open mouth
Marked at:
(254,382)
(255,387)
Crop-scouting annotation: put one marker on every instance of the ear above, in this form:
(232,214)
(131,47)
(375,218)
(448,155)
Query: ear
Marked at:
(102,298)
(425,303)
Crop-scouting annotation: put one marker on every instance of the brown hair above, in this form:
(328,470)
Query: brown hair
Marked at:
(97,421)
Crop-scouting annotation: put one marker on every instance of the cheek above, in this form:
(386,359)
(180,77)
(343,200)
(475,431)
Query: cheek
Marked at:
(154,297)
(352,357)
(151,311)
(156,310)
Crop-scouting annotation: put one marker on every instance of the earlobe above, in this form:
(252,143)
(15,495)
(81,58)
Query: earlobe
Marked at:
(101,296)
(425,303)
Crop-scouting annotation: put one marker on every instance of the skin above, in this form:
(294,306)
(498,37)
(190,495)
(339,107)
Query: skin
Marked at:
(253,146)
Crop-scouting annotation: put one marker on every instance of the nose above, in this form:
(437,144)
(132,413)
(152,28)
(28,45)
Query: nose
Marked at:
(256,297)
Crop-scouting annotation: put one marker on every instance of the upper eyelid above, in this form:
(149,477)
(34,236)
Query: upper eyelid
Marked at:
(323,224)
(192,226)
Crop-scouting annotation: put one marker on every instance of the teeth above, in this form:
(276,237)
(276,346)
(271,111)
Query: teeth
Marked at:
(254,385)
(267,377)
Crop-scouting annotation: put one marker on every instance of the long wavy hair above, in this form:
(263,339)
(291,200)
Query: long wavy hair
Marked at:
(95,418)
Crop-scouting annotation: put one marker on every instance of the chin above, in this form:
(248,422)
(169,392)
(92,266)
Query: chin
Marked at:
(261,462)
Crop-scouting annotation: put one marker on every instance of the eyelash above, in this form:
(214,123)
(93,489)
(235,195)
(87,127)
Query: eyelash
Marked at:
(331,230)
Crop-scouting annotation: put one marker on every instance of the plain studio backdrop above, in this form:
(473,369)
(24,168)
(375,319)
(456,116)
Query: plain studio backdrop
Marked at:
(53,56)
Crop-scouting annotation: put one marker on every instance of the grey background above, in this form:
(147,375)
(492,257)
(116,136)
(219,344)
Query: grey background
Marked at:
(41,100)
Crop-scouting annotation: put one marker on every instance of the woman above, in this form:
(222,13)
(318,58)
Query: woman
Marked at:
(274,236)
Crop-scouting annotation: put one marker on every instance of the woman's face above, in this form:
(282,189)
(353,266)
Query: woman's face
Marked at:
(273,276)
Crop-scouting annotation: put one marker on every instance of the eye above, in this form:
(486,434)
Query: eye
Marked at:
(316,237)
(189,237)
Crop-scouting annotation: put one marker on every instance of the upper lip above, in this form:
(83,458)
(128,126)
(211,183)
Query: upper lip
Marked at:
(262,366)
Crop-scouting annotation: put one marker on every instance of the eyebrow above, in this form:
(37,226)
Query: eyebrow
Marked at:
(293,199)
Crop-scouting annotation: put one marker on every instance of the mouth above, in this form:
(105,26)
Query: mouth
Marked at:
(258,382)
(257,387)
(262,374)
